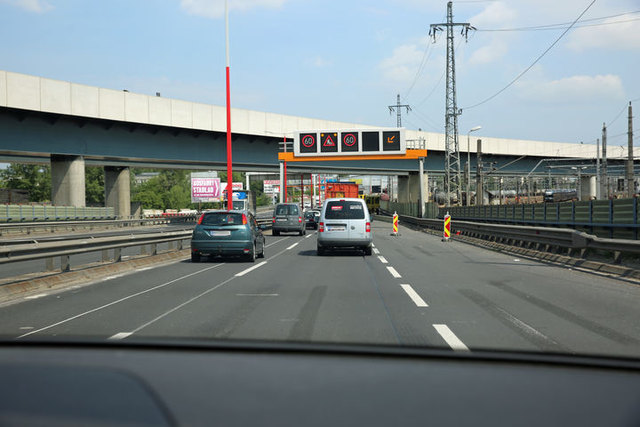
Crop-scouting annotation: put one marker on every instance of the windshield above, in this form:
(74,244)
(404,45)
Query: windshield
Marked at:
(222,219)
(476,165)
(287,210)
(344,210)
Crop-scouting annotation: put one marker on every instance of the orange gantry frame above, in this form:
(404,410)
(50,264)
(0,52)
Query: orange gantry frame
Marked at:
(409,155)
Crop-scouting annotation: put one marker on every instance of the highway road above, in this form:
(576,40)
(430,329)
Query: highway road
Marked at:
(414,290)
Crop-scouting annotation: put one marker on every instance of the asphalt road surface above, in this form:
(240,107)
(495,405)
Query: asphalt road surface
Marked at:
(414,290)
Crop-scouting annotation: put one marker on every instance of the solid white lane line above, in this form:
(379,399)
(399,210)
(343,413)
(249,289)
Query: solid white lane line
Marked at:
(257,295)
(119,300)
(451,339)
(376,251)
(414,296)
(242,273)
(293,246)
(120,335)
(394,273)
(383,259)
(309,235)
(36,296)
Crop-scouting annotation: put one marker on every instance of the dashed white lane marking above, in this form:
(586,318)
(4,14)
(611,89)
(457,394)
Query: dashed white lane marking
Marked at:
(243,272)
(454,342)
(278,241)
(376,251)
(394,273)
(26,328)
(383,259)
(68,319)
(120,335)
(293,246)
(309,235)
(35,296)
(257,295)
(414,296)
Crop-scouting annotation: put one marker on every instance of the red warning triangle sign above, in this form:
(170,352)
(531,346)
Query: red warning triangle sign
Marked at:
(328,142)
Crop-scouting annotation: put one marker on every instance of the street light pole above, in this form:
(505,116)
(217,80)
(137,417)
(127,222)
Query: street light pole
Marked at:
(229,160)
(468,177)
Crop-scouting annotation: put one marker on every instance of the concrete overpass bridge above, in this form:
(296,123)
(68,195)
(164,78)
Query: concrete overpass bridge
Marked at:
(70,125)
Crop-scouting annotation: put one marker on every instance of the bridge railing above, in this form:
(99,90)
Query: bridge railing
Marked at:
(617,218)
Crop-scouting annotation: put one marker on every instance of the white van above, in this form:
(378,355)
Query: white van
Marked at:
(344,222)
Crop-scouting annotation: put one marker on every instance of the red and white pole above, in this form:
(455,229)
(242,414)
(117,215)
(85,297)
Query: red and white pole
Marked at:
(229,160)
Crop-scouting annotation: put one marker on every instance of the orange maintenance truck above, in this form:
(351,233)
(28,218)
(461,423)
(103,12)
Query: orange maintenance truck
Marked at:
(341,189)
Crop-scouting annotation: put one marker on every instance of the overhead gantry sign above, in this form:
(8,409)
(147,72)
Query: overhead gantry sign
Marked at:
(350,144)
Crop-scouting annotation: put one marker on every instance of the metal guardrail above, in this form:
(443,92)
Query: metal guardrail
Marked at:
(28,228)
(616,218)
(65,248)
(572,240)
(71,246)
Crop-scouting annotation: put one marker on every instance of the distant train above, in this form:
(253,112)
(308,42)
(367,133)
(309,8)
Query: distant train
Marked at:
(560,195)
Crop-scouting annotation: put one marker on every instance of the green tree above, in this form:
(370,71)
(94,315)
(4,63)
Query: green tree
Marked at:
(36,179)
(94,185)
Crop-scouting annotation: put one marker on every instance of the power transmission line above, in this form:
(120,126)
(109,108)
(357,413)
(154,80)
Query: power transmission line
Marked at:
(566,24)
(533,63)
(425,58)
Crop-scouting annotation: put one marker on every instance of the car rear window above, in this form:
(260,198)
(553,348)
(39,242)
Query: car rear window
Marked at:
(344,209)
(287,210)
(222,218)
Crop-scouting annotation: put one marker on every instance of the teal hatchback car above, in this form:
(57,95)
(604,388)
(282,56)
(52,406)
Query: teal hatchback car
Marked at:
(227,233)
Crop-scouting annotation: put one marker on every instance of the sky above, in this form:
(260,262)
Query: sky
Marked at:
(348,60)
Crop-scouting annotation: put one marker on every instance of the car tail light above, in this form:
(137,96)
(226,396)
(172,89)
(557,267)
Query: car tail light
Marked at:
(299,219)
(274,220)
(368,227)
(321,227)
(244,219)
(200,219)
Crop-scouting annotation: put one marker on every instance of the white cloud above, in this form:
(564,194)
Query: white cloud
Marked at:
(37,6)
(574,89)
(319,62)
(491,52)
(495,15)
(625,35)
(215,8)
(402,65)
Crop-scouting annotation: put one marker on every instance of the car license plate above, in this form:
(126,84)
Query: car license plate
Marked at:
(219,233)
(335,228)
(281,219)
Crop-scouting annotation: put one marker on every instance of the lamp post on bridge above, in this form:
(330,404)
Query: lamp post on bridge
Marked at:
(468,177)
(229,160)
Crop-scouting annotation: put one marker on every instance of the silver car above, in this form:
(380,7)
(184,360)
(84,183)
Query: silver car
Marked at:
(344,223)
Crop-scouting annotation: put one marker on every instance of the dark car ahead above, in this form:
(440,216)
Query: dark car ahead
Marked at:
(311,219)
(227,233)
(287,217)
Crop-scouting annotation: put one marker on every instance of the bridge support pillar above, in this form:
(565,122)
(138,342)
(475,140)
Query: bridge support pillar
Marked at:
(67,180)
(117,190)
(409,188)
(587,187)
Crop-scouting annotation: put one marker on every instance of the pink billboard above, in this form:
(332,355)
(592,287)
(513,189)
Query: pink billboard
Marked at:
(204,189)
